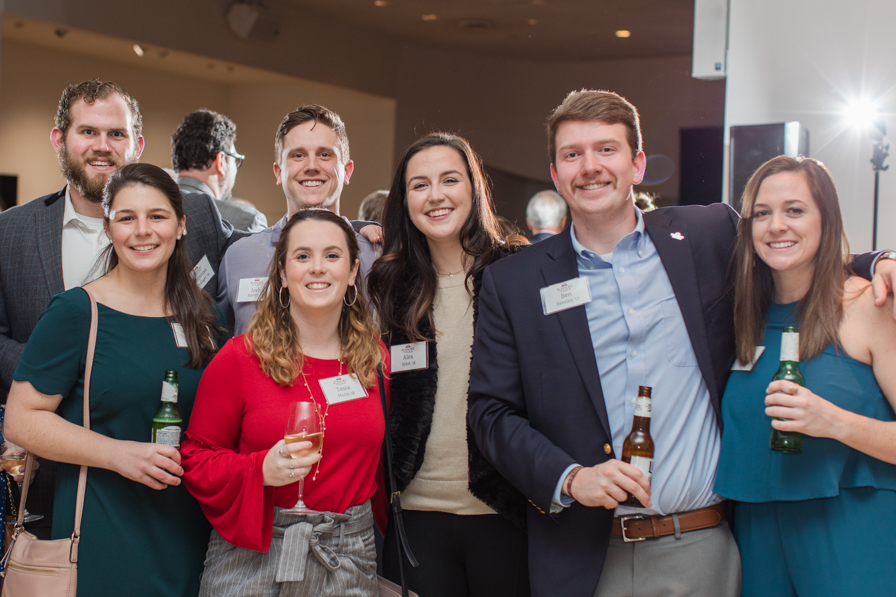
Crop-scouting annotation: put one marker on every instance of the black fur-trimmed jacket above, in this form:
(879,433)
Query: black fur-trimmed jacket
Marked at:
(413,403)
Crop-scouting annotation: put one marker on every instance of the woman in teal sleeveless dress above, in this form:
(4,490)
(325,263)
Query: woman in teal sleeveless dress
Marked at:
(142,533)
(819,522)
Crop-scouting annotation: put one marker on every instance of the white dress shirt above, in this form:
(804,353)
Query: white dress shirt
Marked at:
(83,239)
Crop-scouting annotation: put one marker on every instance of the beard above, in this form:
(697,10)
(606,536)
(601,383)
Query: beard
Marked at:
(76,175)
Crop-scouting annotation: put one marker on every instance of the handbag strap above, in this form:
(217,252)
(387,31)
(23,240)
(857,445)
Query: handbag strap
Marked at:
(82,478)
(404,547)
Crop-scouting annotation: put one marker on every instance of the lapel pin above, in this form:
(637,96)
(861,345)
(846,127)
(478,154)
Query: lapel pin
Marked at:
(677,235)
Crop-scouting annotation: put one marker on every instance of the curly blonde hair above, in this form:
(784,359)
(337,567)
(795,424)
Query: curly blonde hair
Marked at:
(274,336)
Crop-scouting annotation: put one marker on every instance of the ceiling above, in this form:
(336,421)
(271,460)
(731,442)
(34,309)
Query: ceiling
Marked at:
(523,29)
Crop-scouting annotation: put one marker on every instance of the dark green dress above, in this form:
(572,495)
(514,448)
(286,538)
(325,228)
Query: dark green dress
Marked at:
(135,540)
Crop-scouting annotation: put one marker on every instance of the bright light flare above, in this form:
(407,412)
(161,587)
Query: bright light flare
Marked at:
(861,113)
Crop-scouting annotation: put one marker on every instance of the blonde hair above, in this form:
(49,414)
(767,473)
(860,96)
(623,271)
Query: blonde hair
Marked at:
(274,336)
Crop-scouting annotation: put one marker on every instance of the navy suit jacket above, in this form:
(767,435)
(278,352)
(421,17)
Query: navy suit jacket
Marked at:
(536,403)
(31,274)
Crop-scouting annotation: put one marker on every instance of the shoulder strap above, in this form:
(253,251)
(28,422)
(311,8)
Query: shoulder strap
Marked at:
(404,548)
(82,478)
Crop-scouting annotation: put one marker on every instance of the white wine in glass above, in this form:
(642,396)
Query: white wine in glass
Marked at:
(14,465)
(303,425)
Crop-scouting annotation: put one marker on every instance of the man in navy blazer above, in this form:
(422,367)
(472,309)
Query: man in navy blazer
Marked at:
(567,331)
(50,243)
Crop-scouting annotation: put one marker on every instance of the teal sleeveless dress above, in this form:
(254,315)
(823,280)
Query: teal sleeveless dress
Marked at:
(818,523)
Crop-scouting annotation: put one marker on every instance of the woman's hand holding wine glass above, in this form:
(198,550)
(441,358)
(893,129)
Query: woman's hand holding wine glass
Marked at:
(281,468)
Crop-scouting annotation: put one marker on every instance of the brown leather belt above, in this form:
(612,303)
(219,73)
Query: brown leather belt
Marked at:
(638,527)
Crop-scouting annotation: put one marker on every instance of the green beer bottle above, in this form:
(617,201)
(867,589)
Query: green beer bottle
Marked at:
(167,422)
(788,441)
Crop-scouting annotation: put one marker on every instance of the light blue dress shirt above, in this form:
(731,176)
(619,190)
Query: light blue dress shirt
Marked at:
(639,338)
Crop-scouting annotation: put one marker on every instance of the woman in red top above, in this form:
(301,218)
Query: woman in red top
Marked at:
(311,325)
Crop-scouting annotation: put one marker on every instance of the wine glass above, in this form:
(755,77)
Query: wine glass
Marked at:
(14,464)
(303,425)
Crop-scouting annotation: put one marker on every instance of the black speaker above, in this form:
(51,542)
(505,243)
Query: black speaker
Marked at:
(753,145)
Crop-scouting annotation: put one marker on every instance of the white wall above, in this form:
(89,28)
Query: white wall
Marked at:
(803,60)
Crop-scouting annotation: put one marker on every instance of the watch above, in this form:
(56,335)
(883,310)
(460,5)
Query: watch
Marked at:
(883,255)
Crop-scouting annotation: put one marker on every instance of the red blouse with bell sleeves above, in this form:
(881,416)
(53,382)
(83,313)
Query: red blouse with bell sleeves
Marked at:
(240,413)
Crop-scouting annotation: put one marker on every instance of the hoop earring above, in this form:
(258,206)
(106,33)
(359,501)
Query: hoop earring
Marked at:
(354,300)
(280,298)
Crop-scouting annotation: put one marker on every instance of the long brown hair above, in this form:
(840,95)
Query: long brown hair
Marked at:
(403,282)
(821,309)
(274,336)
(190,305)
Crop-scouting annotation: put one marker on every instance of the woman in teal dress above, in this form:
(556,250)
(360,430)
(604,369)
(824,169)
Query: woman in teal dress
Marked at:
(142,533)
(820,522)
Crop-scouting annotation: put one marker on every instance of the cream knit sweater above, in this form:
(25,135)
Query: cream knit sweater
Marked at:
(441,483)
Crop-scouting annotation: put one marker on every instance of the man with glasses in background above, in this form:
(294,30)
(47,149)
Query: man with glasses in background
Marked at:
(206,161)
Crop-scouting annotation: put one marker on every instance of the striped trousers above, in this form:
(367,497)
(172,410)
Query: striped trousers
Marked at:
(323,554)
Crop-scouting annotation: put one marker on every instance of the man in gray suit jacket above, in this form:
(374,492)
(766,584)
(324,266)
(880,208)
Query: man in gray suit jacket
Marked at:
(206,161)
(50,244)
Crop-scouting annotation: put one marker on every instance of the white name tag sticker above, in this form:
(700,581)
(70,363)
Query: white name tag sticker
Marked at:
(409,357)
(179,337)
(565,295)
(342,388)
(203,272)
(738,366)
(250,289)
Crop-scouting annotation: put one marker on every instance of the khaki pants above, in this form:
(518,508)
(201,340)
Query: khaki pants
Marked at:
(703,563)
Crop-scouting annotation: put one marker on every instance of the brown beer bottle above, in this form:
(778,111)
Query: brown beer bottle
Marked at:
(637,449)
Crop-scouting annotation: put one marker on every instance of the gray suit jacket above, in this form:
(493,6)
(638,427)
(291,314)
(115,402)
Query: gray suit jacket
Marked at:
(31,274)
(241,217)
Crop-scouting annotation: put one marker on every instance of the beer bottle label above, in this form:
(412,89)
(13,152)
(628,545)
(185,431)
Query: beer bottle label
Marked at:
(642,407)
(168,436)
(790,346)
(645,465)
(169,392)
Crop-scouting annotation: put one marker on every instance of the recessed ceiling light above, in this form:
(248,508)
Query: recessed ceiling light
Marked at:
(623,33)
(380,3)
(430,17)
(138,50)
(532,21)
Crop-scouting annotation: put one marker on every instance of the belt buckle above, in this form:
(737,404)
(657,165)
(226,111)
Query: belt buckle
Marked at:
(623,520)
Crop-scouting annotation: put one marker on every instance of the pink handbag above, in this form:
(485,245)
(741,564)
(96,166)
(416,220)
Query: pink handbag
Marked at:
(36,568)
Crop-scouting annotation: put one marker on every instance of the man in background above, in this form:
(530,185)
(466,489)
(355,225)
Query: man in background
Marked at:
(545,215)
(371,209)
(206,161)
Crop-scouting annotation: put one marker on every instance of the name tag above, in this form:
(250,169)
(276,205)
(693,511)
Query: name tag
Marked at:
(250,289)
(342,388)
(565,295)
(738,366)
(203,272)
(179,337)
(409,357)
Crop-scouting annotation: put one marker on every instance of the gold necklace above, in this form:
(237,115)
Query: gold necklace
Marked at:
(322,419)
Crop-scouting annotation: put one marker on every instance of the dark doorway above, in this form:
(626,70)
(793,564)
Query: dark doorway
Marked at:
(9,186)
(511,194)
(702,163)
